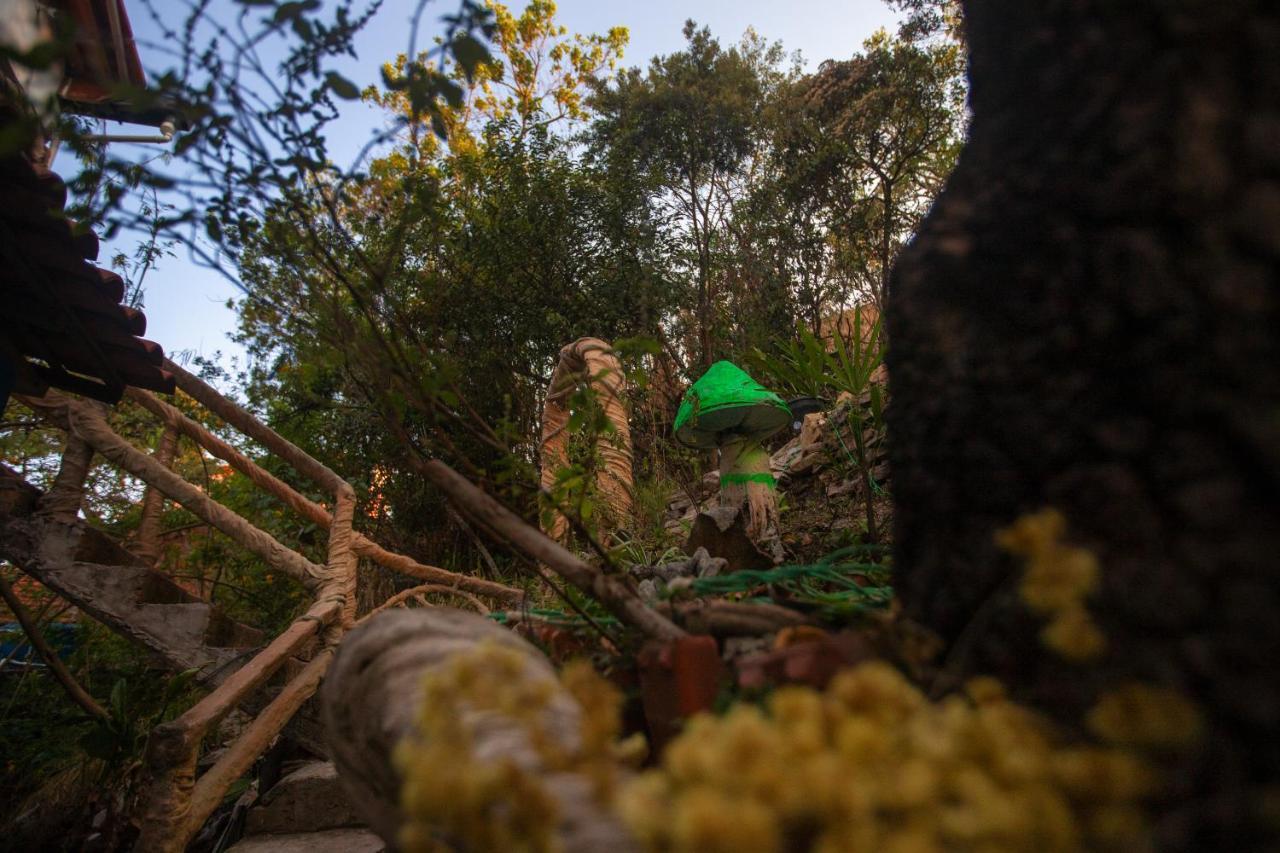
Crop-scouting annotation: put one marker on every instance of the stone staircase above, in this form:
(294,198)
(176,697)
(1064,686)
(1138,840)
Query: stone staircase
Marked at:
(273,680)
(96,574)
(306,812)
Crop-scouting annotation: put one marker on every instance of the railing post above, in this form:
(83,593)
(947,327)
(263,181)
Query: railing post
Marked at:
(148,545)
(63,500)
(171,757)
(341,566)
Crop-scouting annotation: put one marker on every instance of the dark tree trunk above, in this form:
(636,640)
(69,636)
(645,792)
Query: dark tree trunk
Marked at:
(1090,320)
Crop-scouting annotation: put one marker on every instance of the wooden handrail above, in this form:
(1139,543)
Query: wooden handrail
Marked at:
(313,511)
(246,423)
(209,711)
(179,804)
(87,423)
(212,786)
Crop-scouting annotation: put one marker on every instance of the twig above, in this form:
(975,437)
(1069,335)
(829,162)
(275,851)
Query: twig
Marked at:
(74,691)
(479,543)
(501,522)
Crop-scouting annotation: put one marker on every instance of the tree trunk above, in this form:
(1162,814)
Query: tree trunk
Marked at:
(1090,320)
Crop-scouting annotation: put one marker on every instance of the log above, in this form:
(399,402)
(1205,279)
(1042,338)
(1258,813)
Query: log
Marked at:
(491,516)
(370,704)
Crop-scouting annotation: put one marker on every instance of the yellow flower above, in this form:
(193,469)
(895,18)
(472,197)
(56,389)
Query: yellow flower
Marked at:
(984,689)
(1145,716)
(707,821)
(1074,635)
(1058,578)
(1032,534)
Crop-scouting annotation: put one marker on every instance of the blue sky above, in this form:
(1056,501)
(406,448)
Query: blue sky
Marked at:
(185,303)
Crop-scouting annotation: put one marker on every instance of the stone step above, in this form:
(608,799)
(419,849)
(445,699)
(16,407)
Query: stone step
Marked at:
(328,841)
(308,799)
(110,584)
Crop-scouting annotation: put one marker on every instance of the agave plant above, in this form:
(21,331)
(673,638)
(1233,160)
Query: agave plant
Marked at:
(809,365)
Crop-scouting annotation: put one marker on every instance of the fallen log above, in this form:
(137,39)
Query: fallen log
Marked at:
(373,711)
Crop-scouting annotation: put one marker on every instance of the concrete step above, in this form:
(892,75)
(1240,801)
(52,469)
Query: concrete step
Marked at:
(96,573)
(308,799)
(329,841)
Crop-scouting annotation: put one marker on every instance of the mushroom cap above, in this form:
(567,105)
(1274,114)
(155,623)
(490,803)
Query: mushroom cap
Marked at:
(727,404)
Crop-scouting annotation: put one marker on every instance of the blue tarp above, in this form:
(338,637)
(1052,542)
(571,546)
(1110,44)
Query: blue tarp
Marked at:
(62,636)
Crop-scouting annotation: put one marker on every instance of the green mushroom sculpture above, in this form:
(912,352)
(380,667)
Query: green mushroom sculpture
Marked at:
(729,410)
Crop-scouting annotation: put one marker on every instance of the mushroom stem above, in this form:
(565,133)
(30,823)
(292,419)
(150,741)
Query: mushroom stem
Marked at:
(746,477)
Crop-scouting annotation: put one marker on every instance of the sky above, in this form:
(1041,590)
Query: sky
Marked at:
(185,303)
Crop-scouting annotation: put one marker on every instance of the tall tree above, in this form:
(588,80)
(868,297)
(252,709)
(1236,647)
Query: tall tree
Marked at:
(1088,321)
(689,123)
(441,285)
(875,138)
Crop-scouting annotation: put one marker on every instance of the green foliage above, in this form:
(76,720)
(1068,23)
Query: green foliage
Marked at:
(133,710)
(56,759)
(811,366)
(844,367)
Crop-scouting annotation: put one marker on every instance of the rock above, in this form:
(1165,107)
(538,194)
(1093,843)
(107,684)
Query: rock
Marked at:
(835,490)
(703,565)
(308,799)
(329,841)
(736,647)
(722,531)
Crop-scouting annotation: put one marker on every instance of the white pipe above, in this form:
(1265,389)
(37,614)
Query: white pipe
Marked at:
(167,130)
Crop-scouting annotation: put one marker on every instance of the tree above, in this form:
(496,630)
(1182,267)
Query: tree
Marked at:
(497,259)
(537,75)
(876,137)
(1087,321)
(689,125)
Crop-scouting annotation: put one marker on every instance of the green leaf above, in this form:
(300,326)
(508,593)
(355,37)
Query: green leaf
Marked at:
(341,86)
(469,53)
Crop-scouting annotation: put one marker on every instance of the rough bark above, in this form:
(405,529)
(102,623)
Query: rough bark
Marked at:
(370,704)
(65,496)
(1090,320)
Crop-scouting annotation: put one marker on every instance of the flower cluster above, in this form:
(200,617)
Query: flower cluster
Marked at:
(450,797)
(1058,579)
(1145,717)
(871,764)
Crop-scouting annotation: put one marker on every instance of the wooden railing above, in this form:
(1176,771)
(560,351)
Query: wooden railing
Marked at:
(177,803)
